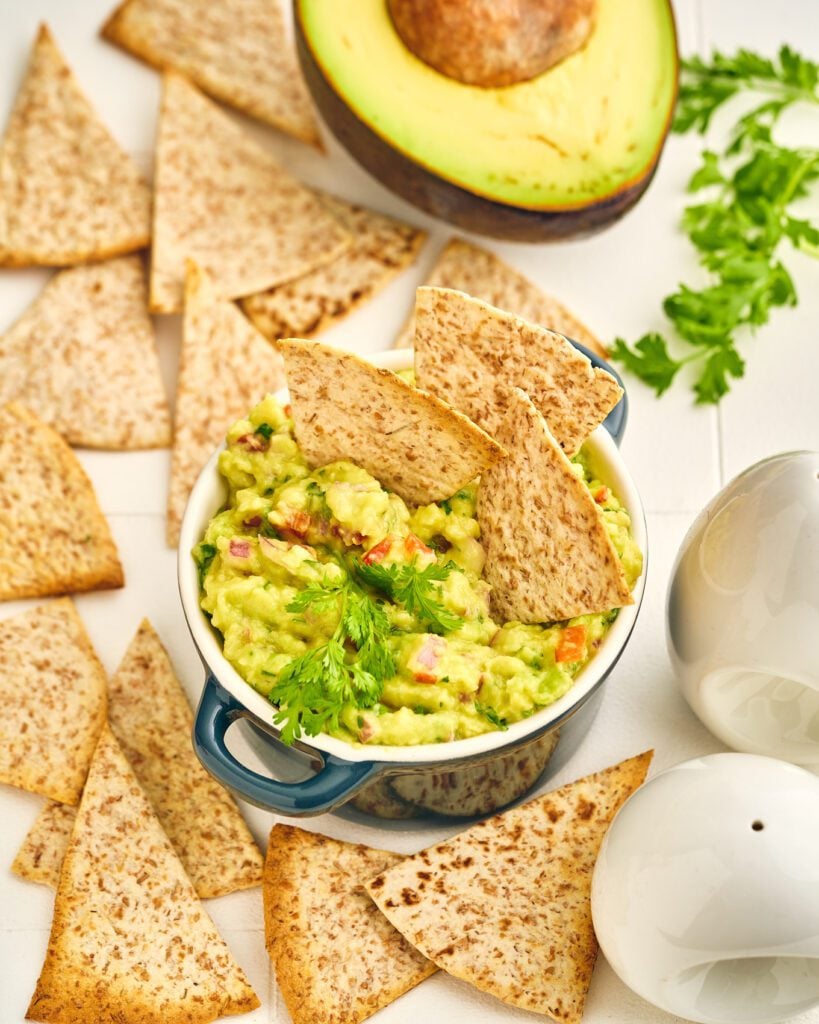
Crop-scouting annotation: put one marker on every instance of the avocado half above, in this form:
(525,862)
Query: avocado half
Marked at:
(565,153)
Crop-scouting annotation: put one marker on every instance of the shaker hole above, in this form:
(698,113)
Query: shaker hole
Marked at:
(757,826)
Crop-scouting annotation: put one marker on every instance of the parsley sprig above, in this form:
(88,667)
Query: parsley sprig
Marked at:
(350,667)
(414,589)
(741,220)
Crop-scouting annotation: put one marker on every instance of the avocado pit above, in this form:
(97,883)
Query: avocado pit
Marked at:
(492,43)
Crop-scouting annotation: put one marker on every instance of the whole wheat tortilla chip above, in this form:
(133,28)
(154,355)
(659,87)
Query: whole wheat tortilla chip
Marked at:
(130,939)
(84,355)
(381,248)
(225,367)
(41,854)
(53,537)
(471,354)
(506,905)
(337,959)
(480,273)
(151,719)
(236,50)
(222,200)
(413,443)
(548,553)
(68,193)
(52,691)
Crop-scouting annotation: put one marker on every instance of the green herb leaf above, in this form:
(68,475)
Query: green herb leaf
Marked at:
(414,589)
(744,219)
(491,715)
(203,555)
(265,430)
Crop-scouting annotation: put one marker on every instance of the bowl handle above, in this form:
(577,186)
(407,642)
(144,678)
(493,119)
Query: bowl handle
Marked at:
(331,786)
(616,420)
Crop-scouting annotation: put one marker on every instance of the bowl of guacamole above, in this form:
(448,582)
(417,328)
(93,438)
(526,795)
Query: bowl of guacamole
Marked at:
(342,619)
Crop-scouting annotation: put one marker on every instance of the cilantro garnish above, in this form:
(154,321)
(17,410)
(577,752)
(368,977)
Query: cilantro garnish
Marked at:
(203,555)
(742,218)
(491,715)
(265,430)
(414,589)
(349,668)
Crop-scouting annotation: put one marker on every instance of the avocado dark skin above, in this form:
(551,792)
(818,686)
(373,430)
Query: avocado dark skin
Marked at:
(442,198)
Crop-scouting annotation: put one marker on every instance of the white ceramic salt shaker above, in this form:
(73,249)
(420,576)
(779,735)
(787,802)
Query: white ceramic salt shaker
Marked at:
(705,896)
(743,611)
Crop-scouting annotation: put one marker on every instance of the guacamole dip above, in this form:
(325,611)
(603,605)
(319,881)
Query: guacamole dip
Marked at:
(359,616)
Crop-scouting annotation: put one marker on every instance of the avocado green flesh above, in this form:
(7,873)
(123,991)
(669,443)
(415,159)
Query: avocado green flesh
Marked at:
(579,132)
(253,565)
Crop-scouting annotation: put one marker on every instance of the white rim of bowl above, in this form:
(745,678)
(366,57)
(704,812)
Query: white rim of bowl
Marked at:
(208,496)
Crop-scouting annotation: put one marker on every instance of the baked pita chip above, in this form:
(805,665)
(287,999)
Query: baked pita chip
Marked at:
(549,556)
(149,713)
(40,857)
(337,959)
(381,248)
(506,905)
(225,367)
(152,722)
(84,356)
(412,442)
(471,355)
(52,690)
(483,275)
(53,537)
(68,193)
(235,50)
(130,939)
(222,200)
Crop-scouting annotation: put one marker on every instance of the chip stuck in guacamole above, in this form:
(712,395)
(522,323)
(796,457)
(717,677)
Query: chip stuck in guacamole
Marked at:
(368,618)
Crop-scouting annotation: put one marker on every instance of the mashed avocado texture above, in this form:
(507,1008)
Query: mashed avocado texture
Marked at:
(453,671)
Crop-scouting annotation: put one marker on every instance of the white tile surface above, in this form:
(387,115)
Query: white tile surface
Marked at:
(678,454)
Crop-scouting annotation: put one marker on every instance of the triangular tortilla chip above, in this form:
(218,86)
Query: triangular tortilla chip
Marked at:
(483,275)
(221,199)
(226,367)
(41,854)
(130,939)
(236,50)
(52,691)
(53,537)
(68,193)
(381,248)
(84,356)
(151,719)
(413,443)
(337,959)
(506,905)
(471,354)
(548,553)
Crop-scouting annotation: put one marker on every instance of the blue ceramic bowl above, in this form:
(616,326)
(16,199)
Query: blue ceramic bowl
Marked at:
(461,778)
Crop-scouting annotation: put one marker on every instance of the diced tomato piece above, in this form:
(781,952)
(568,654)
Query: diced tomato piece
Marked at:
(413,544)
(424,677)
(299,522)
(253,442)
(239,548)
(379,552)
(572,644)
(601,494)
(288,411)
